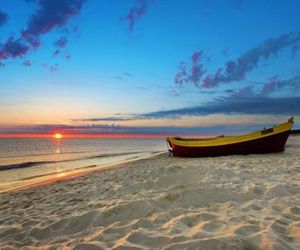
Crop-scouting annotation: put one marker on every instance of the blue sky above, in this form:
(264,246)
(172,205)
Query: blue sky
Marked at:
(148,66)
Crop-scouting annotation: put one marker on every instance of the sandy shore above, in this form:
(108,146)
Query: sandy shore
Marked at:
(235,202)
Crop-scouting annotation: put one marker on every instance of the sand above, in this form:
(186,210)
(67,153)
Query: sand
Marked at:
(233,202)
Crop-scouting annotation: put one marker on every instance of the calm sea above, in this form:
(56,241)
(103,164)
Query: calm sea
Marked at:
(24,160)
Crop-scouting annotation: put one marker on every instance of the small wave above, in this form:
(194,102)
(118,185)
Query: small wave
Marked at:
(35,163)
(24,165)
(112,155)
(50,154)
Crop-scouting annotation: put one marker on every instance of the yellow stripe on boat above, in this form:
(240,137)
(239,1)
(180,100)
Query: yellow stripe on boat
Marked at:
(219,141)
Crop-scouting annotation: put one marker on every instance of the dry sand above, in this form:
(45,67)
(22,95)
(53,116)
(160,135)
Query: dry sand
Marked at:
(233,202)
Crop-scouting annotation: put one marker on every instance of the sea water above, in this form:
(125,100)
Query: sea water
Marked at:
(24,159)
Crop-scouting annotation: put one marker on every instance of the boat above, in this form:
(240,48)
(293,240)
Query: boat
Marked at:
(267,140)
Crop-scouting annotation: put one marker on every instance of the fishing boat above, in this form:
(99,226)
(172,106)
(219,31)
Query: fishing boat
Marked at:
(268,140)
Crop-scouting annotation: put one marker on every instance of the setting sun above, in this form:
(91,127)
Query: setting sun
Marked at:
(57,136)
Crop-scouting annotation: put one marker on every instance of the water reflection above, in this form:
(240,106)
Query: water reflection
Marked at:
(57,146)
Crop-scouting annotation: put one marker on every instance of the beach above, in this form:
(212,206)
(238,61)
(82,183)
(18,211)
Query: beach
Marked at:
(162,202)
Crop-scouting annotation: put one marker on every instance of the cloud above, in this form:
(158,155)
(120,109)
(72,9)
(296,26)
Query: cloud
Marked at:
(13,48)
(56,52)
(124,76)
(181,75)
(274,84)
(271,85)
(210,80)
(128,74)
(194,74)
(135,13)
(238,105)
(3,18)
(61,42)
(131,130)
(51,68)
(113,118)
(26,63)
(109,119)
(197,70)
(236,70)
(50,15)
(247,91)
(67,56)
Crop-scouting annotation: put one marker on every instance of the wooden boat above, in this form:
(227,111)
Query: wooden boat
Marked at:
(259,142)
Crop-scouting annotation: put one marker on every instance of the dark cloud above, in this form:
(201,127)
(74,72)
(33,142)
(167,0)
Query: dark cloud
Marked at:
(3,18)
(210,80)
(13,48)
(194,74)
(275,84)
(50,15)
(236,70)
(247,91)
(181,75)
(56,52)
(61,42)
(108,119)
(136,13)
(238,105)
(196,57)
(271,85)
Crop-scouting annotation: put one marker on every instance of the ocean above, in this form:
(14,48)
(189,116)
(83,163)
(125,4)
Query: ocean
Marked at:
(25,161)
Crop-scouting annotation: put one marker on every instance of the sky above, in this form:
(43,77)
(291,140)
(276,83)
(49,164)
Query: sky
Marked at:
(148,66)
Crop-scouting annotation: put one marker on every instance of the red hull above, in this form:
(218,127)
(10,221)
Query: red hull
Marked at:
(269,144)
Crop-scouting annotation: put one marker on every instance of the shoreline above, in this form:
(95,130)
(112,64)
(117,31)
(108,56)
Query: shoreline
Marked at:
(227,202)
(73,173)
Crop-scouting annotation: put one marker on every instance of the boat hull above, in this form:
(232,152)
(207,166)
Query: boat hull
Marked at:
(268,144)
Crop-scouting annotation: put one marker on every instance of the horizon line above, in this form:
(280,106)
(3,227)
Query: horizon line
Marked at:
(91,136)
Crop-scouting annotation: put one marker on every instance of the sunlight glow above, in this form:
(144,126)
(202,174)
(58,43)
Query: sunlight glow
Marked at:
(57,136)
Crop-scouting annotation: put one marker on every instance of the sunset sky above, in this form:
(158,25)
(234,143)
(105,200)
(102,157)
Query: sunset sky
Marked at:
(148,66)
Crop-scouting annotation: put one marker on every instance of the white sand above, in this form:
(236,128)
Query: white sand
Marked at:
(234,202)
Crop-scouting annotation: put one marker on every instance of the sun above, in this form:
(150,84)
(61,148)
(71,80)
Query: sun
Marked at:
(58,136)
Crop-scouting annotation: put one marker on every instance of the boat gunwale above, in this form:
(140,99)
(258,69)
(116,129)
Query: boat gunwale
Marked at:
(221,141)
